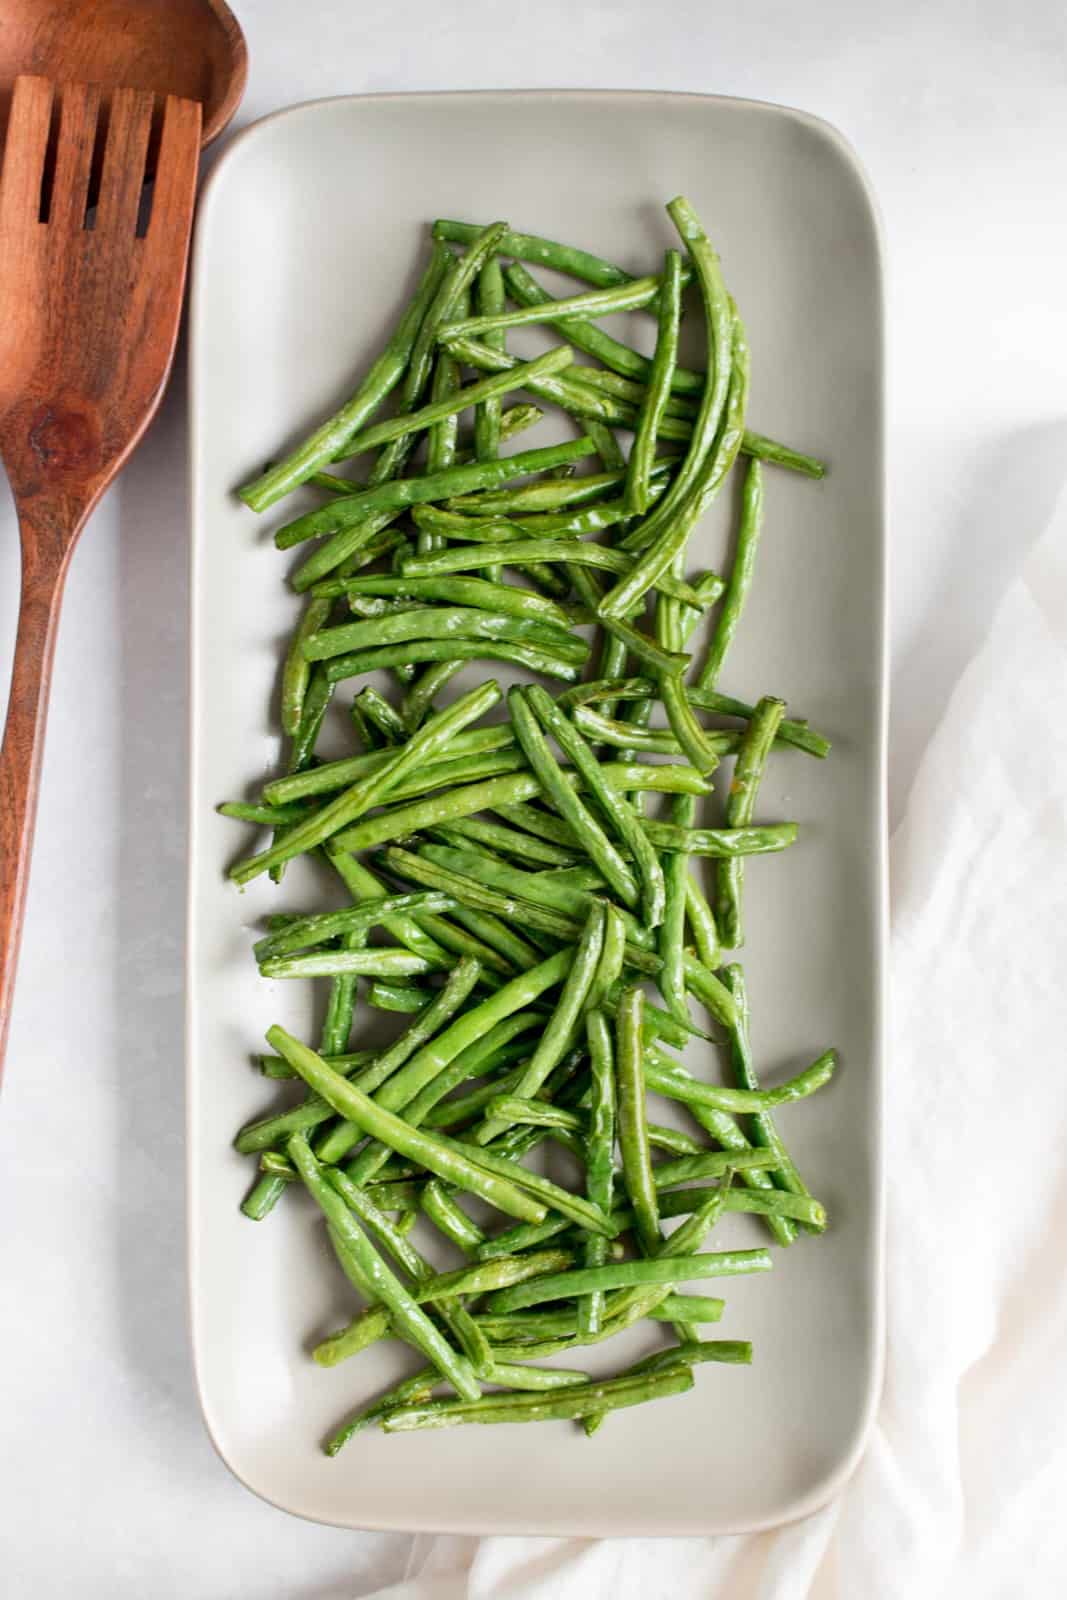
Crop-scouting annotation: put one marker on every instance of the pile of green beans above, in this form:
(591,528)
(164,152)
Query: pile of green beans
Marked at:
(548,949)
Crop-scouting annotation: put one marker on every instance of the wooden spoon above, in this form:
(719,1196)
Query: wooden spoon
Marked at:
(89,308)
(191,48)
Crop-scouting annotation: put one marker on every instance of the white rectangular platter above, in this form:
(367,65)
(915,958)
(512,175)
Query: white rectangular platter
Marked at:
(308,243)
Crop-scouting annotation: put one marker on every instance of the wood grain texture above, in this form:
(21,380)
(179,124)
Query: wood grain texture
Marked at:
(88,321)
(190,48)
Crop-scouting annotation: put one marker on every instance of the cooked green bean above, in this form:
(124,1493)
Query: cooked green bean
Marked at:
(740,807)
(296,671)
(510,841)
(631,296)
(418,702)
(764,1132)
(459,591)
(265,816)
(449,1218)
(399,996)
(490,1275)
(628,1274)
(322,445)
(669,1078)
(740,579)
(531,247)
(700,920)
(653,406)
(536,658)
(724,843)
(671,946)
(548,494)
(426,622)
(610,1394)
(372,963)
(690,1308)
(409,1391)
(632,1120)
(521,551)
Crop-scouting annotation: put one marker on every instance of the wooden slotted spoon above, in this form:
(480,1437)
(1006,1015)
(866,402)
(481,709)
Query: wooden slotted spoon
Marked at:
(89,308)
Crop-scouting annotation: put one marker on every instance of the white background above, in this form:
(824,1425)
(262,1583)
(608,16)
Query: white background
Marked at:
(108,1486)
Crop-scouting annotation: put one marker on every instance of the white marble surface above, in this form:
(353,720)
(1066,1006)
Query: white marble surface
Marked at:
(108,1486)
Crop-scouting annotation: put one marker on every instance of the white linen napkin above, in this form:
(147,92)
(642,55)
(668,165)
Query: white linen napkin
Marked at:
(960,1490)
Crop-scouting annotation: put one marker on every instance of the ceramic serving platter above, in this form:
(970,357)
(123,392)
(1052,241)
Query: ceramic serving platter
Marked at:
(309,240)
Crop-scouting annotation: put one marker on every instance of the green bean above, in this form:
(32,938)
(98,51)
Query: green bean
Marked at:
(549,494)
(338,775)
(425,622)
(449,1218)
(688,1308)
(441,1009)
(646,649)
(316,700)
(633,1129)
(619,357)
(521,1377)
(371,790)
(654,404)
(451,404)
(399,996)
(581,821)
(266,1132)
(521,551)
(357,513)
(296,671)
(403,821)
(635,394)
(764,1132)
(540,824)
(789,732)
(628,1274)
(671,977)
(265,816)
(631,1304)
(418,702)
(443,433)
(374,963)
(761,448)
(719,320)
(740,580)
(727,844)
(276,1067)
(491,1275)
(607,730)
(419,1386)
(694,1351)
(512,1107)
(378,711)
(498,597)
(388,1289)
(740,807)
(566,1021)
(386,372)
(632,296)
(700,749)
(531,247)
(714,1164)
(491,300)
(437,1154)
(669,1078)
(588,1217)
(534,657)
(511,842)
(323,925)
(600,1145)
(616,808)
(709,991)
(611,1394)
(702,925)
(364,1330)
(612,957)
